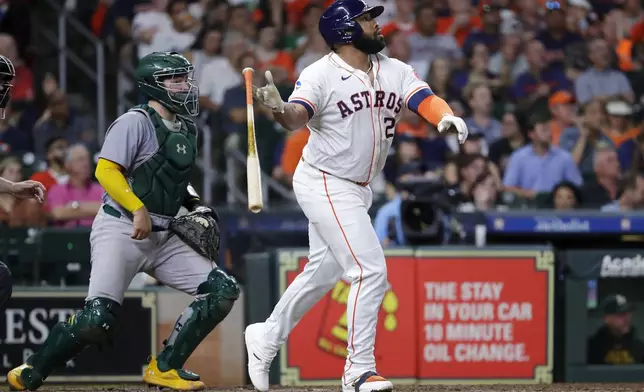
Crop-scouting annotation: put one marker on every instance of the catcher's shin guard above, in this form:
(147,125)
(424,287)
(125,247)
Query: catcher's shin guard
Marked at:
(213,303)
(91,325)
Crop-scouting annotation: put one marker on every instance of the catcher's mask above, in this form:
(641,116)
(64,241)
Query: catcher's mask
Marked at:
(7,73)
(168,77)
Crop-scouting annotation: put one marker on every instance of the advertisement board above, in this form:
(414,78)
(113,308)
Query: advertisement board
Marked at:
(452,316)
(29,316)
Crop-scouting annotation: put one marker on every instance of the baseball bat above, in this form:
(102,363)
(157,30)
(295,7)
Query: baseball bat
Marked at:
(253,170)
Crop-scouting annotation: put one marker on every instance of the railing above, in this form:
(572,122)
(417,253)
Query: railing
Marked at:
(236,161)
(97,75)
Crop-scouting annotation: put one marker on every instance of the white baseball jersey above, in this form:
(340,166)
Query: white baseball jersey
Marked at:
(352,122)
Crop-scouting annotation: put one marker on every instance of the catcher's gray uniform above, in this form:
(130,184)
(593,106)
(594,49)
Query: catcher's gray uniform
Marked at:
(116,257)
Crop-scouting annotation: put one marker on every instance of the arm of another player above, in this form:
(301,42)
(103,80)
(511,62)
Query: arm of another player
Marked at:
(296,113)
(421,100)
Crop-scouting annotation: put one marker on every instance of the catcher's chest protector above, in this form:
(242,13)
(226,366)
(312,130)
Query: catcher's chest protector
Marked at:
(161,181)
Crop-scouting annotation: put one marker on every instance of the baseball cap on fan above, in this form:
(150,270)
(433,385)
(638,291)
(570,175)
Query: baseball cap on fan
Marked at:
(616,303)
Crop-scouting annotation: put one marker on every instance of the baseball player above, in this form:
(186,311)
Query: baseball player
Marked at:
(143,166)
(351,100)
(23,189)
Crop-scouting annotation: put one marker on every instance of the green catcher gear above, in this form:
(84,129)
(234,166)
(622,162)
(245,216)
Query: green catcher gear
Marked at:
(156,78)
(199,231)
(214,301)
(91,325)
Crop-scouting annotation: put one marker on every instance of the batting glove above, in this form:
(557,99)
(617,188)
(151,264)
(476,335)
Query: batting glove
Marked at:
(448,122)
(268,95)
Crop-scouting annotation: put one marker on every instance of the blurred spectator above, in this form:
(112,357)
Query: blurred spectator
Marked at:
(303,29)
(480,119)
(15,21)
(75,203)
(509,62)
(511,140)
(18,212)
(562,110)
(314,50)
(484,195)
(398,48)
(206,49)
(630,195)
(59,120)
(539,81)
(600,81)
(182,33)
(428,45)
(271,57)
(602,189)
(403,20)
(565,196)
(577,16)
(620,127)
(478,59)
(147,23)
(462,20)
(631,154)
(219,75)
(292,154)
(489,33)
(539,166)
(470,167)
(55,156)
(241,21)
(13,136)
(556,37)
(586,136)
(22,92)
(440,80)
(530,18)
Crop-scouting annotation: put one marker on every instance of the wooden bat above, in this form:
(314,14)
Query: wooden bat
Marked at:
(253,170)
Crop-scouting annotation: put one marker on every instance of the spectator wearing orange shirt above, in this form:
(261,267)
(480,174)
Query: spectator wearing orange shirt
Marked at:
(292,154)
(561,107)
(55,172)
(269,56)
(620,128)
(462,21)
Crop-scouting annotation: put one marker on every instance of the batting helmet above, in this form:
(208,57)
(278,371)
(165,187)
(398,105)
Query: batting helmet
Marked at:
(337,23)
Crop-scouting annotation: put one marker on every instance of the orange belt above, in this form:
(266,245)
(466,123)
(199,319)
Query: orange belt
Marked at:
(355,182)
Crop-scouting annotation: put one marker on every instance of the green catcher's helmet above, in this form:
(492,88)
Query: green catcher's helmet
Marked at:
(156,77)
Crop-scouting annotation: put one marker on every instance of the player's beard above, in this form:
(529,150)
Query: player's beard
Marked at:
(370,45)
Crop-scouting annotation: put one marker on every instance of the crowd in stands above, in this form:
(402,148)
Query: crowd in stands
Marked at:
(551,92)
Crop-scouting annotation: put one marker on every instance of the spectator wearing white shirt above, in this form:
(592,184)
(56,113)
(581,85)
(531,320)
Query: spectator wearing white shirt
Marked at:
(147,24)
(221,74)
(183,32)
(206,49)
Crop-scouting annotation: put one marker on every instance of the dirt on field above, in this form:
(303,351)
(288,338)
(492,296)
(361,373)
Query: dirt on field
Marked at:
(400,388)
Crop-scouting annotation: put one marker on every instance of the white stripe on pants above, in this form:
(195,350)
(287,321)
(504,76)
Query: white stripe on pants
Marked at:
(341,240)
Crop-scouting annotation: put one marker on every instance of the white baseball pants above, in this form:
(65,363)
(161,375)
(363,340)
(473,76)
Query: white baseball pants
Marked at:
(341,240)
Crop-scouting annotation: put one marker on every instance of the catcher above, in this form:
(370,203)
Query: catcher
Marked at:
(143,166)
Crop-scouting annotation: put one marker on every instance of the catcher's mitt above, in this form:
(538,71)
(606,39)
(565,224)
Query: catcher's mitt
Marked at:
(199,231)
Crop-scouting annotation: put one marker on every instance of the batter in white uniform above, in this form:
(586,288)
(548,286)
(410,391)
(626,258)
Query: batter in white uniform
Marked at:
(350,100)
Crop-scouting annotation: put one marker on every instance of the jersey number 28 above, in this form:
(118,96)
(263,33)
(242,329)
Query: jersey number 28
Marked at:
(390,123)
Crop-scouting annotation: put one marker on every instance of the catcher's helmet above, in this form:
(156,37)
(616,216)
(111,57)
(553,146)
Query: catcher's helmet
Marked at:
(7,73)
(151,77)
(337,23)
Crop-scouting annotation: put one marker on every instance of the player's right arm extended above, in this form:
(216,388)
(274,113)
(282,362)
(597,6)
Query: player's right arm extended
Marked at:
(110,176)
(294,117)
